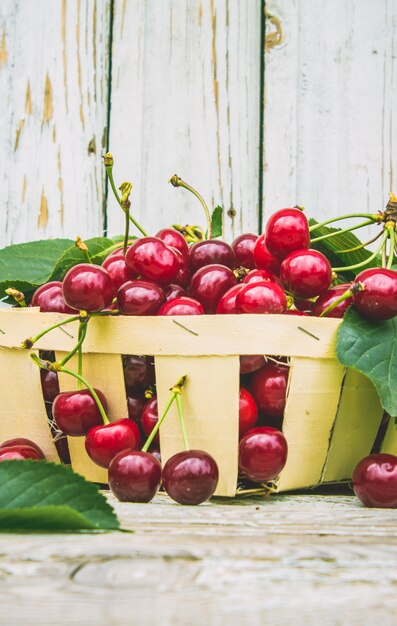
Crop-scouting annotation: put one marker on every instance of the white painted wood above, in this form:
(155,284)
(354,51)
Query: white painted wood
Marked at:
(53,116)
(185,99)
(331,106)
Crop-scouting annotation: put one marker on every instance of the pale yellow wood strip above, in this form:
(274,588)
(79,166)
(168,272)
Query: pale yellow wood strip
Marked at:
(104,372)
(389,444)
(312,401)
(357,423)
(22,408)
(210,401)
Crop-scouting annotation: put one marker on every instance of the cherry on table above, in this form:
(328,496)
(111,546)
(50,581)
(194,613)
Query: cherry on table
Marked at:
(103,443)
(243,247)
(152,259)
(190,477)
(49,297)
(210,252)
(75,412)
(378,300)
(209,283)
(269,388)
(134,476)
(140,297)
(88,287)
(287,230)
(375,481)
(262,454)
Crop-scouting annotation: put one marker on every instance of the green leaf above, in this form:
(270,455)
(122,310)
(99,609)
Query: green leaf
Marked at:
(44,518)
(217,221)
(73,255)
(370,347)
(39,484)
(28,265)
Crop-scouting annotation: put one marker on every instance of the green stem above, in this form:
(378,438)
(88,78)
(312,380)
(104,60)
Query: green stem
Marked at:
(182,421)
(368,260)
(127,230)
(29,343)
(343,230)
(392,236)
(384,257)
(109,173)
(370,217)
(361,245)
(159,422)
(348,294)
(90,389)
(81,336)
(178,182)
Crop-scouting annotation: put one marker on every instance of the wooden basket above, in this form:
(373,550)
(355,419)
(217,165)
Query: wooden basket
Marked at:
(331,419)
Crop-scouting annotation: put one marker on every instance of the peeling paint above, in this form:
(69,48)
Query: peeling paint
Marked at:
(216,95)
(200,13)
(92,146)
(60,186)
(23,196)
(28,100)
(18,133)
(54,134)
(79,65)
(48,104)
(64,58)
(3,49)
(43,215)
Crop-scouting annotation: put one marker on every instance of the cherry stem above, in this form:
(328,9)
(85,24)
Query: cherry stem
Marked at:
(126,189)
(347,294)
(182,421)
(29,343)
(361,245)
(81,337)
(17,295)
(175,391)
(369,216)
(392,235)
(341,231)
(83,247)
(178,182)
(77,348)
(368,260)
(60,368)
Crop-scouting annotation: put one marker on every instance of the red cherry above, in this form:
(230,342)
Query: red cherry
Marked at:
(150,418)
(227,303)
(265,297)
(260,276)
(136,401)
(88,287)
(375,481)
(174,239)
(138,372)
(190,477)
(328,297)
(295,312)
(140,297)
(117,269)
(264,260)
(251,362)
(182,306)
(303,305)
(152,259)
(104,442)
(134,476)
(248,411)
(209,284)
(269,388)
(20,453)
(306,273)
(287,230)
(243,247)
(49,298)
(49,385)
(21,441)
(378,300)
(173,291)
(210,252)
(75,412)
(183,274)
(262,454)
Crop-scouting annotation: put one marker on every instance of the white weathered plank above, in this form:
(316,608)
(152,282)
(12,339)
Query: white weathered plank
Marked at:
(53,117)
(330,106)
(185,99)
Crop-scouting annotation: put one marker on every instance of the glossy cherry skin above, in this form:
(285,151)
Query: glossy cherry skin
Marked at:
(49,298)
(210,252)
(88,287)
(209,283)
(248,411)
(264,260)
(182,306)
(149,418)
(103,443)
(22,441)
(243,247)
(251,362)
(265,297)
(135,401)
(190,477)
(262,454)
(75,412)
(20,453)
(306,273)
(328,297)
(152,259)
(260,276)
(269,388)
(183,274)
(117,269)
(140,297)
(138,372)
(174,239)
(134,476)
(173,291)
(227,303)
(49,385)
(375,481)
(378,300)
(287,230)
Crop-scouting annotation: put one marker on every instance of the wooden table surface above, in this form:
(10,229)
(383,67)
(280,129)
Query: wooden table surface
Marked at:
(293,559)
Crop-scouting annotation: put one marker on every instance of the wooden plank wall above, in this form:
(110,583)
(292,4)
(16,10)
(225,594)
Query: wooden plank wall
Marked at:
(305,114)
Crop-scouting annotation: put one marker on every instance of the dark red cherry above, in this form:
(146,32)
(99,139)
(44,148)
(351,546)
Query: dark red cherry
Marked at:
(375,481)
(251,362)
(88,287)
(19,453)
(22,441)
(227,303)
(183,274)
(306,273)
(269,388)
(75,412)
(152,259)
(210,252)
(174,239)
(140,297)
(136,401)
(287,230)
(117,269)
(104,442)
(138,372)
(265,297)
(264,260)
(243,247)
(209,284)
(302,304)
(49,298)
(378,300)
(190,477)
(260,276)
(182,306)
(248,411)
(134,476)
(262,454)
(173,291)
(328,297)
(150,418)
(49,385)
